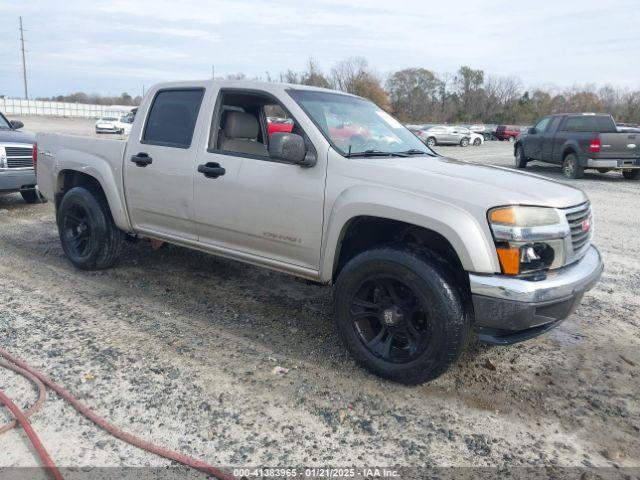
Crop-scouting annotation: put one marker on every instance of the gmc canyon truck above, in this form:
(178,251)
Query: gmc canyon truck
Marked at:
(421,250)
(578,141)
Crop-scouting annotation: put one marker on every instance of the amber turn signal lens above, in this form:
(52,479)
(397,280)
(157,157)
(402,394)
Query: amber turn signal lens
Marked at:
(504,216)
(509,260)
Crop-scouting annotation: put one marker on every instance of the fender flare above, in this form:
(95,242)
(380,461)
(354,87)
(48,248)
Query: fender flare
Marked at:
(471,240)
(102,172)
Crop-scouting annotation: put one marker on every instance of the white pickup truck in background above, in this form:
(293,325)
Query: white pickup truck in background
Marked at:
(421,249)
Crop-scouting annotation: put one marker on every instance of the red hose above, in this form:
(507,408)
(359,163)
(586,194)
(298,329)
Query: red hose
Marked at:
(42,395)
(35,440)
(102,423)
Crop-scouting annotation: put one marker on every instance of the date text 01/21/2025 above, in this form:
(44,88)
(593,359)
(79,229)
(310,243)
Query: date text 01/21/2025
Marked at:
(318,472)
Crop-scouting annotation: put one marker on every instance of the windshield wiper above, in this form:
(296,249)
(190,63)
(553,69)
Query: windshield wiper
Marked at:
(378,153)
(415,151)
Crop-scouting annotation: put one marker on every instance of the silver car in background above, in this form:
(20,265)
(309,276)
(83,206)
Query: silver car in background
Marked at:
(446,135)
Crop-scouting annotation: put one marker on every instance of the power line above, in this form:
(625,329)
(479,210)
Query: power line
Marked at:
(24,62)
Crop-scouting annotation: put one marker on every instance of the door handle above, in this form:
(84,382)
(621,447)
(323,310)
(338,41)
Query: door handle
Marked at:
(211,170)
(142,159)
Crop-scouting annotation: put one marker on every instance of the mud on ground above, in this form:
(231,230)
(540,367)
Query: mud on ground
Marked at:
(242,366)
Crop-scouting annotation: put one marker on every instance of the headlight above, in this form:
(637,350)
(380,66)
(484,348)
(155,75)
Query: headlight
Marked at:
(528,239)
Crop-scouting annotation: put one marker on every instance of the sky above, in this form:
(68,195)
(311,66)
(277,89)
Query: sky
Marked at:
(112,46)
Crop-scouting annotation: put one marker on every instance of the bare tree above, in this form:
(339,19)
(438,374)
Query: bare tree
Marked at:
(355,76)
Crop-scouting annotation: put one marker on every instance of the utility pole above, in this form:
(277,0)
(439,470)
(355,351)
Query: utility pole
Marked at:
(24,62)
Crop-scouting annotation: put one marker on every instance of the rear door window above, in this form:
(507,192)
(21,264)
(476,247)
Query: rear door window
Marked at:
(589,123)
(172,118)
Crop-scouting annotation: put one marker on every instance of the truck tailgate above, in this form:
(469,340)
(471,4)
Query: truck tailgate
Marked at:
(619,145)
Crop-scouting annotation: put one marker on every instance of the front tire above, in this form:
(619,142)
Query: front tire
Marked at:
(431,142)
(571,167)
(400,314)
(89,237)
(521,160)
(477,142)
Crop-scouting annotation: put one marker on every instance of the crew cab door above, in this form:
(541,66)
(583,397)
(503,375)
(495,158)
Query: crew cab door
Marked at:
(159,164)
(533,143)
(251,206)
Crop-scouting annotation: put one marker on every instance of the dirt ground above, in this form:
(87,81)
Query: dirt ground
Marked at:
(182,348)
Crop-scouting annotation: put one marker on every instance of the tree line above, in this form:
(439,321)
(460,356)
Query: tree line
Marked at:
(419,95)
(95,99)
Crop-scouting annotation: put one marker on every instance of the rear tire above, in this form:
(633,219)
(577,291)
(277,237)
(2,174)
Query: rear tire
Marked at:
(571,167)
(89,237)
(431,142)
(631,174)
(477,142)
(400,314)
(521,160)
(464,142)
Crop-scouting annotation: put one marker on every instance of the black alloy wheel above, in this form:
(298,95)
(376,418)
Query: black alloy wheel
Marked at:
(77,230)
(400,313)
(390,319)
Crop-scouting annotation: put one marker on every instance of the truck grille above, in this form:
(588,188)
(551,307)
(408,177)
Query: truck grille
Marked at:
(580,222)
(19,157)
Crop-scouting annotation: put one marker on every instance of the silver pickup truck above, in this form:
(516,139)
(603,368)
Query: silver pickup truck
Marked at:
(421,250)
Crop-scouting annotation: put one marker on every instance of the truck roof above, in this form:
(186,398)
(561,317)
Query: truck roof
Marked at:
(586,114)
(247,84)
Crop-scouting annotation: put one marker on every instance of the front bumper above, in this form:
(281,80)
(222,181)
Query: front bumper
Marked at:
(12,180)
(509,310)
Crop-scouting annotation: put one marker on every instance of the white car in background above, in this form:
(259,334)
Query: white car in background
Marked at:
(108,125)
(475,139)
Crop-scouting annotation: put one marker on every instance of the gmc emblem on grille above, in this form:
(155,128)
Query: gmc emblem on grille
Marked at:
(586,224)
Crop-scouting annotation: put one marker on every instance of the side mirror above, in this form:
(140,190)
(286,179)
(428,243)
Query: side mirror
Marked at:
(16,124)
(290,147)
(532,130)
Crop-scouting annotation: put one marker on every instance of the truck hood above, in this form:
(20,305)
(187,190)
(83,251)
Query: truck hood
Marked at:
(15,136)
(468,183)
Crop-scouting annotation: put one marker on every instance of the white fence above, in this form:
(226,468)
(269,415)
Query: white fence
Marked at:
(16,106)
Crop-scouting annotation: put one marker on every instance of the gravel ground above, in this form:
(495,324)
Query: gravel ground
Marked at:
(242,366)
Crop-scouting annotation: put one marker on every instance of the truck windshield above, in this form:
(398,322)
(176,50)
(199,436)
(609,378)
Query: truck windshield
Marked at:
(357,127)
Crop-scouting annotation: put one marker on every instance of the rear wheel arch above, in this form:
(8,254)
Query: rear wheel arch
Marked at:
(69,178)
(568,151)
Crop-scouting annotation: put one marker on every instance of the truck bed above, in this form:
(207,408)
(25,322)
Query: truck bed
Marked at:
(87,153)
